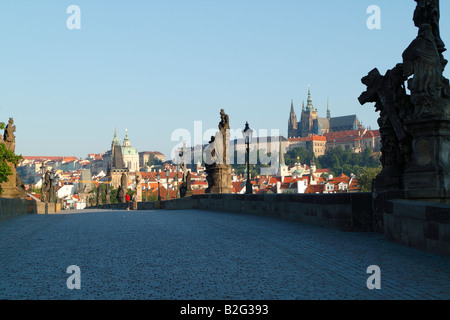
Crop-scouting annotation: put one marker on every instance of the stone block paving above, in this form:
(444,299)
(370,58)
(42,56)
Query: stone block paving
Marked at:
(206,255)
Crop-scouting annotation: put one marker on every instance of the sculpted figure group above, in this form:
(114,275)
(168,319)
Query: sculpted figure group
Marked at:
(421,72)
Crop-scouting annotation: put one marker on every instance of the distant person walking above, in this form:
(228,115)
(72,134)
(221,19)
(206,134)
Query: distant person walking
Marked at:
(127,199)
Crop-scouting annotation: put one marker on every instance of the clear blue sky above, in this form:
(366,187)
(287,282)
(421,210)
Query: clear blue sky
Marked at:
(155,66)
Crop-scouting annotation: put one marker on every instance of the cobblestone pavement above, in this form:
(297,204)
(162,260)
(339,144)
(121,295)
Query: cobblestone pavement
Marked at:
(205,255)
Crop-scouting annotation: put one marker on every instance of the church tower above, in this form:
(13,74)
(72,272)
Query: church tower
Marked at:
(292,124)
(328,110)
(308,117)
(116,153)
(116,167)
(130,155)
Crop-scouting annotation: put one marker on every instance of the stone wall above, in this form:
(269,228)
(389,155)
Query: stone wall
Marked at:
(347,211)
(48,208)
(16,207)
(123,206)
(418,224)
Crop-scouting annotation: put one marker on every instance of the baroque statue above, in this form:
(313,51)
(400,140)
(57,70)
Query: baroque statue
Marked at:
(414,127)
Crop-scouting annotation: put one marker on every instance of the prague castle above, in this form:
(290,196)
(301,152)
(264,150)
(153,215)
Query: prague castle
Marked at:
(311,124)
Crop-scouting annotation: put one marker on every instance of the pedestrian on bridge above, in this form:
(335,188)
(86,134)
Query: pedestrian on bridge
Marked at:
(127,199)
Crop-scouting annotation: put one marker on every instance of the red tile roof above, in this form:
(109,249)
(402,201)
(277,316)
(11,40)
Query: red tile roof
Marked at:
(315,188)
(312,137)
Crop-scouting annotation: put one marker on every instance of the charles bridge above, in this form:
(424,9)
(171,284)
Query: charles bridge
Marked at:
(275,246)
(192,254)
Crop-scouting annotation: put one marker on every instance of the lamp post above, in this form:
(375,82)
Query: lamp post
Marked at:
(56,181)
(176,182)
(52,186)
(248,133)
(167,176)
(146,190)
(158,178)
(42,185)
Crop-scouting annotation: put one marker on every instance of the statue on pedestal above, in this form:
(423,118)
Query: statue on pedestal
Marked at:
(123,188)
(138,187)
(8,137)
(99,195)
(11,188)
(414,127)
(217,165)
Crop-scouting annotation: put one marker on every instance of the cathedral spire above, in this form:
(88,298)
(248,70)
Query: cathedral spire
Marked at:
(309,106)
(115,140)
(328,109)
(126,141)
(292,124)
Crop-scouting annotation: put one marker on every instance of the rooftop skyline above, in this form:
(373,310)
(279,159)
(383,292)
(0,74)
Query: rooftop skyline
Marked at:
(155,67)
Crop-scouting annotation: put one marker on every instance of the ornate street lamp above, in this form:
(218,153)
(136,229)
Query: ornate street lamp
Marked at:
(167,176)
(176,182)
(158,178)
(52,186)
(56,182)
(146,188)
(248,133)
(43,195)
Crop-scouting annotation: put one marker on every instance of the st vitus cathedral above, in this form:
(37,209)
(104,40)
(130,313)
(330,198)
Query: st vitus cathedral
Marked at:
(311,123)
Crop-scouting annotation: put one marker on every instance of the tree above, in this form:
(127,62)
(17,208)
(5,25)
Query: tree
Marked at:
(149,196)
(153,160)
(303,155)
(5,157)
(366,177)
(345,161)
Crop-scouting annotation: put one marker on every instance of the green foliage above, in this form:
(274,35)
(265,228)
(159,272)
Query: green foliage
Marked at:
(35,190)
(113,195)
(345,161)
(153,160)
(5,157)
(149,196)
(366,177)
(301,155)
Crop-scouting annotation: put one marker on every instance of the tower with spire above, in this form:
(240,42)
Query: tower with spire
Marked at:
(130,155)
(311,124)
(116,153)
(116,166)
(292,124)
(328,109)
(308,117)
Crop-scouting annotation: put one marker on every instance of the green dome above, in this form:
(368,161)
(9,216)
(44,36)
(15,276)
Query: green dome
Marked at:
(129,150)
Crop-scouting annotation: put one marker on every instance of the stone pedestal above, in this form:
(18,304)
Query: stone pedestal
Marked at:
(429,174)
(116,177)
(10,189)
(220,176)
(139,193)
